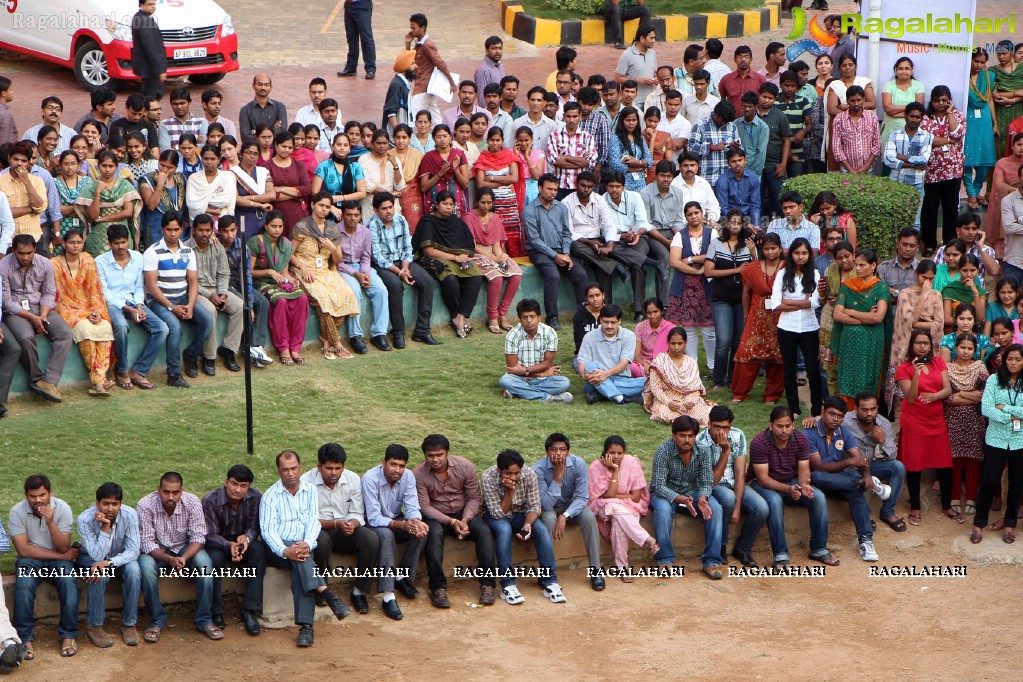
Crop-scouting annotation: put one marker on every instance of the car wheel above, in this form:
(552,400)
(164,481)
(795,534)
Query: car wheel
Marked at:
(91,67)
(206,78)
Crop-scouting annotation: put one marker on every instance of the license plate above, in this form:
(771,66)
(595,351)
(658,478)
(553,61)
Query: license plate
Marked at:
(190,53)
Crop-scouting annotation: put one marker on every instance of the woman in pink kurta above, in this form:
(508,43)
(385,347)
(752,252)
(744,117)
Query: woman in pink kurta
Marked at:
(618,497)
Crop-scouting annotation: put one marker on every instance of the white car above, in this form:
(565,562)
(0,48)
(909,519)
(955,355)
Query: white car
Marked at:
(93,37)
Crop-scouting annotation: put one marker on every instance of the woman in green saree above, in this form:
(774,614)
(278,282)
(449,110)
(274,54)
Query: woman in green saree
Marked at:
(108,201)
(967,289)
(862,332)
(831,283)
(1008,93)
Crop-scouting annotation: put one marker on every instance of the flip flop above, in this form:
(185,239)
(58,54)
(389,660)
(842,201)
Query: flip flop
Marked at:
(827,559)
(494,327)
(124,382)
(99,392)
(297,359)
(459,331)
(914,518)
(30,654)
(897,524)
(213,632)
(329,354)
(996,525)
(954,515)
(1009,536)
(152,634)
(70,650)
(142,382)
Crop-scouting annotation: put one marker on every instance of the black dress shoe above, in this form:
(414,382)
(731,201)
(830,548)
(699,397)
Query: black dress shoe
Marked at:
(229,358)
(177,381)
(347,73)
(380,342)
(597,583)
(639,318)
(391,610)
(427,339)
(359,603)
(3,411)
(554,323)
(398,341)
(321,599)
(745,558)
(209,367)
(370,75)
(305,636)
(406,587)
(336,605)
(191,364)
(218,620)
(358,345)
(251,623)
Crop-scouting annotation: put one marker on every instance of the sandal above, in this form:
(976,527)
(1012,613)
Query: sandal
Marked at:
(652,547)
(801,379)
(780,565)
(626,578)
(69,650)
(287,361)
(142,382)
(493,327)
(971,508)
(1009,536)
(467,329)
(896,523)
(343,353)
(124,381)
(954,514)
(329,354)
(976,536)
(97,391)
(503,321)
(827,559)
(972,203)
(152,634)
(297,359)
(29,653)
(459,331)
(955,508)
(213,632)
(914,518)
(996,525)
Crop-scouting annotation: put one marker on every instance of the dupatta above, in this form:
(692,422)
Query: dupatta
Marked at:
(960,293)
(489,161)
(630,478)
(79,296)
(861,295)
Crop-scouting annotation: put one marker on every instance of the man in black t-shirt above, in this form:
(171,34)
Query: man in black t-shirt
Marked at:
(135,119)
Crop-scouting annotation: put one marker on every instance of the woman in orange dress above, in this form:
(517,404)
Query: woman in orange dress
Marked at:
(659,141)
(758,345)
(410,158)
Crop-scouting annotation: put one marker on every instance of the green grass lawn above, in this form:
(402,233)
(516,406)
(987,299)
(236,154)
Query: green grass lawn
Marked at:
(658,8)
(364,404)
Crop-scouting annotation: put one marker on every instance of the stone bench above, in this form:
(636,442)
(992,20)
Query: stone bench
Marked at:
(570,552)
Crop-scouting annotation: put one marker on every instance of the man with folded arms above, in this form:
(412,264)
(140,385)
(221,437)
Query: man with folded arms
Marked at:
(173,530)
(289,525)
(392,510)
(450,501)
(232,526)
(110,542)
(342,519)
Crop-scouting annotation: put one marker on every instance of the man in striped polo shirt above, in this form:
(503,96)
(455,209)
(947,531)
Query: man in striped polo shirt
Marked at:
(796,108)
(169,271)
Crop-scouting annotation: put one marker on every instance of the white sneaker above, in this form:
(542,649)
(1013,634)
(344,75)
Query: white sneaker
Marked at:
(880,489)
(553,592)
(867,551)
(565,397)
(263,356)
(511,595)
(506,395)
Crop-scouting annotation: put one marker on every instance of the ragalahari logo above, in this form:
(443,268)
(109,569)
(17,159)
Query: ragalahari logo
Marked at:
(818,43)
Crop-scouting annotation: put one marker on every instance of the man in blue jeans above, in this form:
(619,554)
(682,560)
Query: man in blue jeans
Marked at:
(357,271)
(511,495)
(605,357)
(682,483)
(170,273)
(781,470)
(172,527)
(110,547)
(40,528)
(529,352)
(727,449)
(120,273)
(840,469)
(873,436)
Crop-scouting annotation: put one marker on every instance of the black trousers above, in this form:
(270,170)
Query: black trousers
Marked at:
(364,543)
(551,273)
(460,293)
(991,484)
(254,557)
(616,18)
(809,344)
(944,477)
(152,88)
(303,584)
(479,533)
(395,298)
(10,353)
(359,28)
(946,195)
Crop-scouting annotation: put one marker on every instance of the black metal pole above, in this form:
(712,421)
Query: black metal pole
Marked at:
(247,327)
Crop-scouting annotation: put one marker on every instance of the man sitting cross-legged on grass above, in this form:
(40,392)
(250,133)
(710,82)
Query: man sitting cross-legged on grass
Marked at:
(604,359)
(529,351)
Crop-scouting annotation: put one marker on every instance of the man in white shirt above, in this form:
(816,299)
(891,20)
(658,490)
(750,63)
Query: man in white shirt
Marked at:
(695,188)
(712,50)
(699,104)
(633,247)
(594,231)
(692,62)
(673,122)
(310,113)
(535,120)
(665,84)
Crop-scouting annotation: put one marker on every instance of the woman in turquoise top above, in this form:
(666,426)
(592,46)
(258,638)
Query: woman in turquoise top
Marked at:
(980,127)
(1004,305)
(965,323)
(1002,404)
(948,271)
(895,95)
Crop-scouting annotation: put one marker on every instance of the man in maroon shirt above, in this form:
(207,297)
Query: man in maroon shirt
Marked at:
(427,59)
(744,79)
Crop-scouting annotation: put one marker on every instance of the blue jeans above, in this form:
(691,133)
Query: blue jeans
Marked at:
(376,292)
(25,597)
(131,585)
(728,325)
(614,386)
(203,323)
(664,517)
(892,472)
(533,389)
(919,187)
(503,530)
(753,506)
(818,510)
(150,569)
(847,485)
(154,328)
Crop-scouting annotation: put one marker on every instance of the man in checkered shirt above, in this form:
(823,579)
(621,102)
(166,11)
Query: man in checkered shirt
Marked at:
(529,350)
(711,139)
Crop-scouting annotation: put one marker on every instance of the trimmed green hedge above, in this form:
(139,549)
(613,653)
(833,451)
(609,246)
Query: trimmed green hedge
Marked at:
(584,6)
(881,206)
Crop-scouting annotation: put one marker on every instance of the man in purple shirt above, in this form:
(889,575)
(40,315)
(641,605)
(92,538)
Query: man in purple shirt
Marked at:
(358,273)
(490,70)
(29,296)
